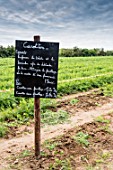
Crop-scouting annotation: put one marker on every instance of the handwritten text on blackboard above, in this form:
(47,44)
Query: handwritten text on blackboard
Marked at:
(36,67)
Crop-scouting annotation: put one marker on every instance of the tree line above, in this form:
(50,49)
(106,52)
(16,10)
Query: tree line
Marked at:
(9,51)
(79,52)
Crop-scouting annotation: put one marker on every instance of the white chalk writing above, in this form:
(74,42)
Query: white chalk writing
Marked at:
(35,46)
(18,82)
(21,52)
(36,73)
(21,93)
(22,63)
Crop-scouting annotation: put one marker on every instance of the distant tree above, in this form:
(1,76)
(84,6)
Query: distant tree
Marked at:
(66,52)
(3,51)
(85,52)
(7,51)
(101,52)
(92,52)
(109,53)
(11,50)
(76,51)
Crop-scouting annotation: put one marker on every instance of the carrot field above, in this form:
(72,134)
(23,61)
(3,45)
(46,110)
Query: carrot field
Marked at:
(75,74)
(71,69)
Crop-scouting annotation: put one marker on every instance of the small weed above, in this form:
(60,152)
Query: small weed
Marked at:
(99,161)
(61,164)
(106,129)
(59,152)
(105,155)
(82,138)
(25,153)
(50,145)
(74,101)
(42,153)
(101,119)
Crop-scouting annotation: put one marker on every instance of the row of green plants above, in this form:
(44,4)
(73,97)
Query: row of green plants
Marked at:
(69,68)
(6,73)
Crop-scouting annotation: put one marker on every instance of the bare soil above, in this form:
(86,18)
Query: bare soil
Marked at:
(16,151)
(65,152)
(85,102)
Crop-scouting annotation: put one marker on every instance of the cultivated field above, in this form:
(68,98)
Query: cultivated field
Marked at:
(72,70)
(75,75)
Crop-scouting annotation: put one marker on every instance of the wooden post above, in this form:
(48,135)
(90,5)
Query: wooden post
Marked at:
(37,118)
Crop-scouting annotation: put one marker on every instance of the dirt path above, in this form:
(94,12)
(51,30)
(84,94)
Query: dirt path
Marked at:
(9,147)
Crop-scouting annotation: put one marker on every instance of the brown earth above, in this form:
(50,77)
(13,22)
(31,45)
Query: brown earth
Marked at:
(83,102)
(66,153)
(17,153)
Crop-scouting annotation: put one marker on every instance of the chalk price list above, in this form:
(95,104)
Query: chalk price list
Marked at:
(36,67)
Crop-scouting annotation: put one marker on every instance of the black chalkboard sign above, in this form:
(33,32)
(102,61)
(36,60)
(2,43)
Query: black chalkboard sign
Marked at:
(36,67)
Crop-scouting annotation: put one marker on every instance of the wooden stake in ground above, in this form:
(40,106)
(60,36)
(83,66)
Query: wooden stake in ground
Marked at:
(37,118)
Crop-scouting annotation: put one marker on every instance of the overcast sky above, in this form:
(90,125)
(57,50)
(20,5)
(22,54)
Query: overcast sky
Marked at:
(81,23)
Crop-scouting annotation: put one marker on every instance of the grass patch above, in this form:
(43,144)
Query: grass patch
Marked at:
(25,153)
(62,164)
(50,145)
(52,118)
(3,130)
